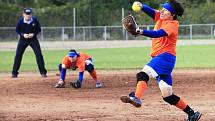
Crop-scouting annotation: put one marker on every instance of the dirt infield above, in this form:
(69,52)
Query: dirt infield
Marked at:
(32,98)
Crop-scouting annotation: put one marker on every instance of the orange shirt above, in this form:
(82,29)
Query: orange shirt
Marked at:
(80,62)
(166,43)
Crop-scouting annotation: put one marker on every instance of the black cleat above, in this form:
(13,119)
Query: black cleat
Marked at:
(197,115)
(14,76)
(43,75)
(132,100)
(76,84)
(125,99)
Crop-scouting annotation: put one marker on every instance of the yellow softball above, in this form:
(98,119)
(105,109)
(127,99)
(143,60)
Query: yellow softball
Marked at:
(136,6)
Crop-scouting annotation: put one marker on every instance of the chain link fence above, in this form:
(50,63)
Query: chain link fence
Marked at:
(202,33)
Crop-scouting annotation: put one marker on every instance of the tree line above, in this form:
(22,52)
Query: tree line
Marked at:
(98,12)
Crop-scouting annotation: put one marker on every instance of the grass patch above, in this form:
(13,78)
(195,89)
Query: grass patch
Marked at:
(115,58)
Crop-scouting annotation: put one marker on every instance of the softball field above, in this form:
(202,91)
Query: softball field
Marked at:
(31,97)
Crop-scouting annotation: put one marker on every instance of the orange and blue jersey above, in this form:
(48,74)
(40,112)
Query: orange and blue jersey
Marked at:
(164,39)
(166,43)
(165,33)
(82,58)
(80,62)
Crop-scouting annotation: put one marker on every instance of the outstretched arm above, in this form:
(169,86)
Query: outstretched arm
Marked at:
(153,33)
(148,10)
(138,6)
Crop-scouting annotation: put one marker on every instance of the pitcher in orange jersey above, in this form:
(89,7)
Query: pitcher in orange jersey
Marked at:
(163,53)
(74,60)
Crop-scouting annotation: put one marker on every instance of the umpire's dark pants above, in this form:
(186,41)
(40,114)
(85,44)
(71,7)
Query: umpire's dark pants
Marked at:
(22,45)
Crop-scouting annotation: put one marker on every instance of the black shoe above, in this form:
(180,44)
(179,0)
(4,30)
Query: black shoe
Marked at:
(76,84)
(197,115)
(14,76)
(43,75)
(132,100)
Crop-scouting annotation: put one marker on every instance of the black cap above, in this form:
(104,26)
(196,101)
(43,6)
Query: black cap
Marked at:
(28,11)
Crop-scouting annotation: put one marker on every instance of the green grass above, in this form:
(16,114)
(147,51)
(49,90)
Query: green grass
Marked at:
(196,56)
(115,58)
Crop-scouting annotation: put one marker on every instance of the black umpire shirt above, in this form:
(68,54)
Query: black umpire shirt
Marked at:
(32,26)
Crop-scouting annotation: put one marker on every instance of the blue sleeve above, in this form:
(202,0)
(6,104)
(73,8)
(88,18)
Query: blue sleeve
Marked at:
(149,11)
(18,25)
(154,34)
(81,75)
(63,74)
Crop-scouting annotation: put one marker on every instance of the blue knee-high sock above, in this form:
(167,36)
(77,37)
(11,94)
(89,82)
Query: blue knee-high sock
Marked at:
(81,76)
(63,74)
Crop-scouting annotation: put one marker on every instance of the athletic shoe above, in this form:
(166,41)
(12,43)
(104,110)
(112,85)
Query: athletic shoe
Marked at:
(197,115)
(76,84)
(14,76)
(98,85)
(132,100)
(60,84)
(43,75)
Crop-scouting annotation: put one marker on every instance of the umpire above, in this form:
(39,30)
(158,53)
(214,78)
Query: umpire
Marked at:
(27,28)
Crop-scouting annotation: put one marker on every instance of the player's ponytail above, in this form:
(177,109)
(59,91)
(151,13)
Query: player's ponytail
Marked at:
(179,10)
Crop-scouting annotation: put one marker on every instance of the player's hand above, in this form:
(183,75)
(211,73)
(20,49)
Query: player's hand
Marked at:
(26,36)
(139,31)
(31,35)
(76,84)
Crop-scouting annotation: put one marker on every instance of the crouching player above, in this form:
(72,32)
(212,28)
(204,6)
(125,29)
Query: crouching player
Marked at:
(74,60)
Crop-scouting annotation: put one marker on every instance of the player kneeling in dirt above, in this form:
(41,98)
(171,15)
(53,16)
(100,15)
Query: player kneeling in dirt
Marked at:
(74,60)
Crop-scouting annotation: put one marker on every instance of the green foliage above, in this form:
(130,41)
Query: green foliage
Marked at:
(203,14)
(7,14)
(55,16)
(97,12)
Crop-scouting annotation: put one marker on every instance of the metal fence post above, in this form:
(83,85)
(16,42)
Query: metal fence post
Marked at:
(211,31)
(148,28)
(84,33)
(191,33)
(126,35)
(105,33)
(73,23)
(42,37)
(123,30)
(62,35)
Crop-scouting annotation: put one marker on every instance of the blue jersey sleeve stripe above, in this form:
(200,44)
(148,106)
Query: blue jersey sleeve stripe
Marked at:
(154,34)
(149,11)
